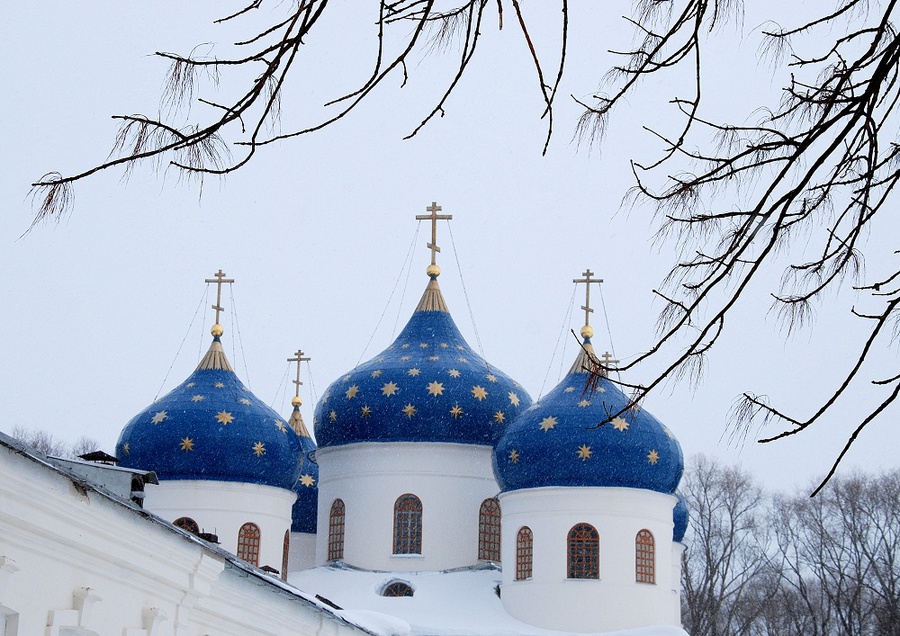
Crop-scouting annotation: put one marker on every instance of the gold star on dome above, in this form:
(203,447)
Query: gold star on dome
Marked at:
(456,411)
(491,377)
(224,417)
(325,397)
(434,358)
(454,373)
(584,403)
(653,457)
(514,456)
(159,417)
(198,398)
(461,360)
(389,389)
(414,372)
(619,424)
(405,358)
(245,401)
(585,452)
(219,385)
(347,377)
(365,411)
(513,398)
(351,392)
(569,389)
(460,347)
(443,345)
(409,410)
(376,373)
(668,432)
(191,385)
(307,480)
(424,345)
(405,346)
(280,426)
(187,444)
(499,417)
(259,449)
(479,393)
(435,388)
(379,360)
(333,415)
(600,389)
(126,448)
(548,422)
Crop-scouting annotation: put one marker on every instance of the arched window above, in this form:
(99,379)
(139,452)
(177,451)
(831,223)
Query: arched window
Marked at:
(336,531)
(408,525)
(524,553)
(644,557)
(285,554)
(186,523)
(397,588)
(248,543)
(489,531)
(584,552)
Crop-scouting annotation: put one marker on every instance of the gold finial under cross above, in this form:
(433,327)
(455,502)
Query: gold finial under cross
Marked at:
(587,280)
(298,360)
(219,280)
(434,217)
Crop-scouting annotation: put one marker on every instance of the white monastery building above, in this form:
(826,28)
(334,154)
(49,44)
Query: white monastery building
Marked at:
(437,498)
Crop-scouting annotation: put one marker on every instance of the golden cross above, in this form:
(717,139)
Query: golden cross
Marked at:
(587,293)
(608,360)
(219,280)
(298,360)
(434,217)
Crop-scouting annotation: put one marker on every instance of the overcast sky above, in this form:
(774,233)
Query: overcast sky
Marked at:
(316,231)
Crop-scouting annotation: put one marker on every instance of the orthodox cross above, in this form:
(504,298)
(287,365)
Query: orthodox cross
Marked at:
(587,280)
(298,360)
(219,280)
(434,217)
(608,360)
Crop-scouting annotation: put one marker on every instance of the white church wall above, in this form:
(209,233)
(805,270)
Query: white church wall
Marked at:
(223,507)
(614,601)
(303,551)
(76,561)
(452,480)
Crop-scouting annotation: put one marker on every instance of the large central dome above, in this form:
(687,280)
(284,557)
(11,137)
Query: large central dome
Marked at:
(428,386)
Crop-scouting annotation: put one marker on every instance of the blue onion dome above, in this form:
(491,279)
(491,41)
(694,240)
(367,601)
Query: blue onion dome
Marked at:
(305,509)
(212,427)
(560,440)
(428,386)
(680,518)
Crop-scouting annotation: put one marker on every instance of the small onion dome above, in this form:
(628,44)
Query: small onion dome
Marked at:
(560,440)
(212,427)
(428,386)
(680,517)
(303,513)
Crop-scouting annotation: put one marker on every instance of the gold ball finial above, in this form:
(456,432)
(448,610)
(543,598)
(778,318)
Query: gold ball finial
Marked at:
(217,330)
(433,271)
(296,401)
(587,332)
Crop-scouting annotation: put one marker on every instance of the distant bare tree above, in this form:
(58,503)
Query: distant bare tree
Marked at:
(44,442)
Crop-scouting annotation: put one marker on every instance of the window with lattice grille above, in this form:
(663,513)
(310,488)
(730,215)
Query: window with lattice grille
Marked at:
(248,543)
(336,531)
(489,531)
(408,525)
(583,554)
(186,523)
(644,557)
(524,553)
(397,588)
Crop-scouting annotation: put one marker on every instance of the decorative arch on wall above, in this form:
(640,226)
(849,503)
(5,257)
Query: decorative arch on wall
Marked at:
(583,552)
(408,525)
(489,531)
(524,553)
(645,557)
(336,518)
(248,543)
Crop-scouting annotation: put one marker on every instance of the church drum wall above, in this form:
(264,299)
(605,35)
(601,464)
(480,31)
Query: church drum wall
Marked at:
(451,480)
(616,601)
